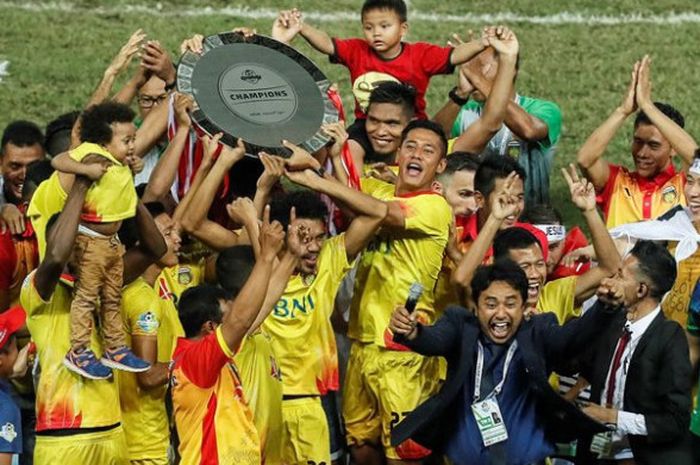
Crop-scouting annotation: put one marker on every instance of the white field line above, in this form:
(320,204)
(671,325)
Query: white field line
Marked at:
(268,13)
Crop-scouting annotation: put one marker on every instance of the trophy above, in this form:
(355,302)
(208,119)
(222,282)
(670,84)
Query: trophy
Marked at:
(257,89)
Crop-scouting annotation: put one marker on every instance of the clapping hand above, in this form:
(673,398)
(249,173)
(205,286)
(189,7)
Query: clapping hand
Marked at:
(629,104)
(643,88)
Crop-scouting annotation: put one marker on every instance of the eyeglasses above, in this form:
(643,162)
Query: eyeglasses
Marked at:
(147,101)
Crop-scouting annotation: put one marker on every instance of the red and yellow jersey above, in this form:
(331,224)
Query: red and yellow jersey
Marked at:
(628,197)
(174,280)
(113,197)
(146,423)
(64,400)
(675,305)
(214,423)
(300,327)
(262,385)
(396,259)
(559,297)
(48,200)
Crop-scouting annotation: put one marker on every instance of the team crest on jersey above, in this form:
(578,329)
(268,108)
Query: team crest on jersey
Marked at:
(184,275)
(669,194)
(7,432)
(148,322)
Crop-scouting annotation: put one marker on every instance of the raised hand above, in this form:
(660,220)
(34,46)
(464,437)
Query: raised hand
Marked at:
(611,293)
(300,159)
(643,88)
(232,155)
(183,107)
(339,135)
(127,52)
(211,144)
(298,235)
(271,237)
(464,84)
(247,32)
(194,44)
(582,191)
(629,103)
(505,202)
(157,60)
(504,41)
(383,172)
(242,211)
(274,170)
(286,26)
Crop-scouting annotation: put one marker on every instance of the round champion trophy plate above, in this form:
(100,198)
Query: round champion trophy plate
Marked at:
(257,89)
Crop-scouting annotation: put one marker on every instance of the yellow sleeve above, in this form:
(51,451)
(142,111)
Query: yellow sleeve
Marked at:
(87,148)
(334,258)
(558,297)
(29,297)
(428,213)
(222,343)
(142,313)
(377,188)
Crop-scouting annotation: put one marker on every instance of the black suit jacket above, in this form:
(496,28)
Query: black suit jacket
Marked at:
(658,385)
(542,343)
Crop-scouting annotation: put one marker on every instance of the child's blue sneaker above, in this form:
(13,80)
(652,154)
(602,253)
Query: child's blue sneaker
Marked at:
(84,363)
(124,359)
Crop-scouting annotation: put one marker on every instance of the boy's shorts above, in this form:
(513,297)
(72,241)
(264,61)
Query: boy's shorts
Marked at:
(381,388)
(104,448)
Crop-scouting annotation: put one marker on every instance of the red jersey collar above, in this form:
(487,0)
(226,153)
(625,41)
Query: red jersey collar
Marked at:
(408,195)
(655,182)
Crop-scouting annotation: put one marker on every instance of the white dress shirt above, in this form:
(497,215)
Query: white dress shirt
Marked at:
(627,422)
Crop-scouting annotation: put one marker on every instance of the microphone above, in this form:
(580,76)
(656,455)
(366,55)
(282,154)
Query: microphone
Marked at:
(414,293)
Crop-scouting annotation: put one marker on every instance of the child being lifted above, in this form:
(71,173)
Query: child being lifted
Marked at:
(106,131)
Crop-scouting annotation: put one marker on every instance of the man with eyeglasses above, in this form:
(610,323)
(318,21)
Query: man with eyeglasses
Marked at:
(150,95)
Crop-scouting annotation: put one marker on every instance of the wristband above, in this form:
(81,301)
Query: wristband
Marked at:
(456,98)
(170,86)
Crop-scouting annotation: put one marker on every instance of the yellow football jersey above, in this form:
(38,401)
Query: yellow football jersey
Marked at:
(558,297)
(396,259)
(262,383)
(48,200)
(64,400)
(145,420)
(174,280)
(300,328)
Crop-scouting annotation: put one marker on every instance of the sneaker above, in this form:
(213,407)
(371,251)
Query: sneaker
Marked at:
(124,359)
(84,363)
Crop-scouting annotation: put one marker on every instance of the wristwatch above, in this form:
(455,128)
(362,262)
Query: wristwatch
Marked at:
(456,98)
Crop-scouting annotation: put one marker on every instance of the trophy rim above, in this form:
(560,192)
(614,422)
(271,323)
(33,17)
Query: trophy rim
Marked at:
(189,59)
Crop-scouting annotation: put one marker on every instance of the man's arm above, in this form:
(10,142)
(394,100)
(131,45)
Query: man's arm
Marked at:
(146,348)
(681,141)
(194,221)
(278,283)
(369,212)
(274,169)
(583,196)
(60,240)
(93,171)
(439,339)
(503,205)
(165,171)
(477,135)
(589,156)
(317,39)
(127,93)
(468,50)
(245,309)
(150,248)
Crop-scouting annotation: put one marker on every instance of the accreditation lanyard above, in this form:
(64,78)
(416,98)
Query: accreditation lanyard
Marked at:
(480,368)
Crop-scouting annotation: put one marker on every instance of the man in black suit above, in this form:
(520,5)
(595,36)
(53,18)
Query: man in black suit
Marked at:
(496,406)
(640,372)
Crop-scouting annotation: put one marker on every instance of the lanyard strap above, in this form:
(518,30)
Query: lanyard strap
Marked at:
(480,368)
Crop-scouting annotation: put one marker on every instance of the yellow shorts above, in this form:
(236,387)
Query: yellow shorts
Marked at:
(381,388)
(103,448)
(305,437)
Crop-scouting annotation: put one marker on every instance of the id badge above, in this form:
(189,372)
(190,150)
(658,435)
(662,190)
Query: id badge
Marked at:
(490,421)
(602,444)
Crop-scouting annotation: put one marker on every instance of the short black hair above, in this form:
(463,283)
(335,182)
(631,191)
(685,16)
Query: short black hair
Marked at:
(200,304)
(495,167)
(657,264)
(501,270)
(22,134)
(395,93)
(308,205)
(664,108)
(155,208)
(96,121)
(37,172)
(460,161)
(233,267)
(430,126)
(512,239)
(541,214)
(58,133)
(397,6)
